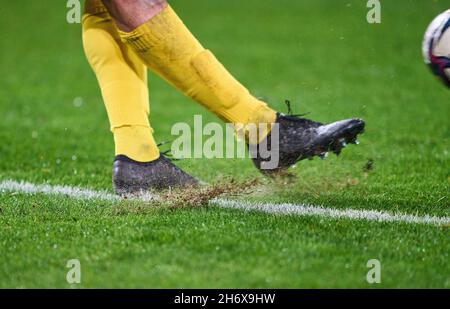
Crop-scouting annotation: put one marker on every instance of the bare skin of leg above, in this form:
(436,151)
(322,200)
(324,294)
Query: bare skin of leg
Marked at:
(130,14)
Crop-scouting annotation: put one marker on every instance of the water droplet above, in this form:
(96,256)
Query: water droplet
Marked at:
(78,102)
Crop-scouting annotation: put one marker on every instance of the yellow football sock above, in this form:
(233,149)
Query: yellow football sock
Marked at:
(165,45)
(123,81)
(133,141)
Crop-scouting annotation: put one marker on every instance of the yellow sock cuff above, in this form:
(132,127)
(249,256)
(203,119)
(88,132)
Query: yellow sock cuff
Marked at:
(94,7)
(136,142)
(164,28)
(126,103)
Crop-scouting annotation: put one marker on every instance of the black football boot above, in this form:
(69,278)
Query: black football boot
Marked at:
(301,138)
(131,177)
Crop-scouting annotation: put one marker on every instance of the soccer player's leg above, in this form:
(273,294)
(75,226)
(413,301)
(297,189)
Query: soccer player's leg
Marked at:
(123,81)
(164,43)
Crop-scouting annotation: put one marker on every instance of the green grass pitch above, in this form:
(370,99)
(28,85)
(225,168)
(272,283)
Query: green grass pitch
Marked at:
(320,54)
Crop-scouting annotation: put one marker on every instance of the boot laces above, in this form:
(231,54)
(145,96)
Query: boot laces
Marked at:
(291,114)
(297,117)
(167,153)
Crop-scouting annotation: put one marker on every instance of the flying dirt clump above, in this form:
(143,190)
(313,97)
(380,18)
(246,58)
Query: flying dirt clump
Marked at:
(200,197)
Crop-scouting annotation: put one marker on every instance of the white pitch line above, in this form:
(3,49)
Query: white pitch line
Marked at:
(73,192)
(280,209)
(325,212)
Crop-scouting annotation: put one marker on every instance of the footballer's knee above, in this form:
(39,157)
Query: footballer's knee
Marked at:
(130,14)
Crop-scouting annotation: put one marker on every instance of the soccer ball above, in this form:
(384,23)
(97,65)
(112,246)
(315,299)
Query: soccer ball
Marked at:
(436,47)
